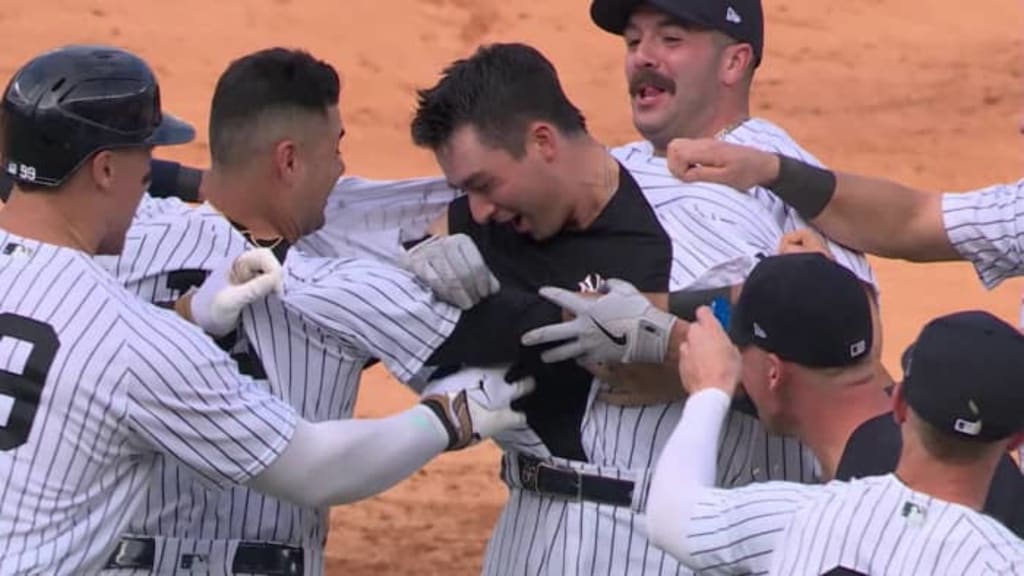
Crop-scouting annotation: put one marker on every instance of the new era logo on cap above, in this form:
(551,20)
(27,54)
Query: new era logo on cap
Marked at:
(732,16)
(758,331)
(858,348)
(967,427)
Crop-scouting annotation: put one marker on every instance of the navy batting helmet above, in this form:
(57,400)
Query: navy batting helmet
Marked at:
(67,104)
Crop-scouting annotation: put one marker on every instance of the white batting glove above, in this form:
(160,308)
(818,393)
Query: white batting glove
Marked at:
(475,403)
(234,284)
(620,326)
(453,268)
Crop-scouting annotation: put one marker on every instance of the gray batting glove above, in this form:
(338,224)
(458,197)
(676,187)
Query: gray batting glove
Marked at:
(475,403)
(453,268)
(619,326)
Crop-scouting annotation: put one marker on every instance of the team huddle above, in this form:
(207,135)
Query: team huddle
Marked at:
(674,342)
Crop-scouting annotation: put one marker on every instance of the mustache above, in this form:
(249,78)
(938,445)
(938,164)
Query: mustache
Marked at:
(648,77)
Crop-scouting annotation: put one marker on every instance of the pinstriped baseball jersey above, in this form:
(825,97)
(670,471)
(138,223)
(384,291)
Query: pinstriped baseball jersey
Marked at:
(96,384)
(875,525)
(762,134)
(716,236)
(987,228)
(363,310)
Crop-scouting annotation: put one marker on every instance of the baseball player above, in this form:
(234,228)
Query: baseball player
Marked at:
(922,519)
(689,66)
(274,136)
(97,387)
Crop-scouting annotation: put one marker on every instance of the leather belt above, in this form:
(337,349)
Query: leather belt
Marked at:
(137,553)
(543,477)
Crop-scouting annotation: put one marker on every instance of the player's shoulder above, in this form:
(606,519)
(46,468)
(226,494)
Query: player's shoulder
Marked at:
(769,136)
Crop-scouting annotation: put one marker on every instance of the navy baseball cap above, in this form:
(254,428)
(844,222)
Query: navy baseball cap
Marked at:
(741,20)
(805,309)
(964,375)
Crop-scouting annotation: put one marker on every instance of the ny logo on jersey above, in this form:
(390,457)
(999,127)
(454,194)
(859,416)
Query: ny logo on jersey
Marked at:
(840,571)
(592,284)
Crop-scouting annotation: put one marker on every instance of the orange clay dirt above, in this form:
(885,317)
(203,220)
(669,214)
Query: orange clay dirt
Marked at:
(924,92)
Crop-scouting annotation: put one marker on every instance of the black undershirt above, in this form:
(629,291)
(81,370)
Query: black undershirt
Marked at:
(625,241)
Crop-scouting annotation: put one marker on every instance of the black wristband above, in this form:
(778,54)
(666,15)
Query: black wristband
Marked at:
(808,189)
(172,180)
(684,303)
(189,180)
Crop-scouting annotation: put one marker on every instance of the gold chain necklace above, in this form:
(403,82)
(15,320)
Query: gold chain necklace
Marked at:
(728,129)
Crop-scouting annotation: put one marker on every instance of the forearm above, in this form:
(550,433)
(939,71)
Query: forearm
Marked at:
(342,461)
(887,219)
(868,214)
(684,470)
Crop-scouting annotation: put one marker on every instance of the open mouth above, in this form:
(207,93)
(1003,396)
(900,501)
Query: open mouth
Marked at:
(646,94)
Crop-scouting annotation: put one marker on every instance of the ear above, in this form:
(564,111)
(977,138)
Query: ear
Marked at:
(776,373)
(286,162)
(102,168)
(899,403)
(544,138)
(737,59)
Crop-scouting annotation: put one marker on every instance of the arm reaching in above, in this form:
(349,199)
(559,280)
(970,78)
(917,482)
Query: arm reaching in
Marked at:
(868,214)
(337,462)
(234,284)
(709,366)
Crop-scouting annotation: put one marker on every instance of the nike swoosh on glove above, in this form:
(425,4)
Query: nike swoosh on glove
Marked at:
(621,325)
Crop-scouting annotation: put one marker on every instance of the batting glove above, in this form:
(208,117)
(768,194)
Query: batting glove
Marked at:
(453,268)
(217,304)
(475,403)
(621,325)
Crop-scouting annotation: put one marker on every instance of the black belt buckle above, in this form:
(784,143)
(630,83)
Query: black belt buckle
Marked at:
(268,559)
(132,553)
(539,476)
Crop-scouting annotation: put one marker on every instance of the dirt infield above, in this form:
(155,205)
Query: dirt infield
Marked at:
(926,92)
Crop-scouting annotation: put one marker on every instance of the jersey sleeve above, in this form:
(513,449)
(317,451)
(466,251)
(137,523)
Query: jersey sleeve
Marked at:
(987,228)
(377,308)
(372,218)
(736,531)
(187,400)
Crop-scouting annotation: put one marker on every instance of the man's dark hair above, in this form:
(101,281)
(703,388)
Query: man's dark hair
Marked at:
(263,87)
(499,91)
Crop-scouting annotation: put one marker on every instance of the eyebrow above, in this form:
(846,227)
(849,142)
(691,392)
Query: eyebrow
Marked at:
(474,180)
(667,21)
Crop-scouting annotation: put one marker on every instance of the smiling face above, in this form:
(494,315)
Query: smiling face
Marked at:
(673,74)
(522,192)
